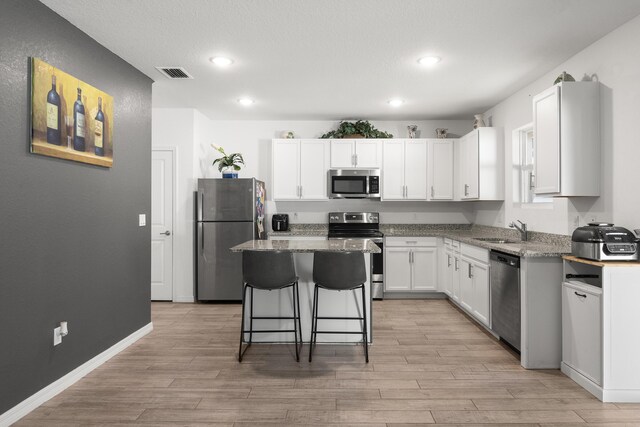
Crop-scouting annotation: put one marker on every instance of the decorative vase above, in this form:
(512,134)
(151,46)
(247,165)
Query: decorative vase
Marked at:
(479,121)
(229,173)
(441,133)
(411,130)
(564,77)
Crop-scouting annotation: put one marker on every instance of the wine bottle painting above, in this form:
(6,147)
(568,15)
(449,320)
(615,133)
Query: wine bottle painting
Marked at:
(70,119)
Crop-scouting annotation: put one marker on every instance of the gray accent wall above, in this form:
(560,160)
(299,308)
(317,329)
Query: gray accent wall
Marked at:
(70,245)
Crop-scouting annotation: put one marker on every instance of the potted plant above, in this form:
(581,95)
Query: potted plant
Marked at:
(228,164)
(358,129)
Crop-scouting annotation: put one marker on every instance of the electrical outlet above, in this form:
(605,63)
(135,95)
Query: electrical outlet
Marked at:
(57,337)
(142,220)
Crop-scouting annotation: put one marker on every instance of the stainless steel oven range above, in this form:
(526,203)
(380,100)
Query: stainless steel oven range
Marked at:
(362,225)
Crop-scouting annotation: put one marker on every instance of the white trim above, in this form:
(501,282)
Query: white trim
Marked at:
(184,298)
(604,395)
(174,189)
(61,384)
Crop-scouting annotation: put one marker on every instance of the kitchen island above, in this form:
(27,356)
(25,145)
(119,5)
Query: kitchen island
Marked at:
(278,303)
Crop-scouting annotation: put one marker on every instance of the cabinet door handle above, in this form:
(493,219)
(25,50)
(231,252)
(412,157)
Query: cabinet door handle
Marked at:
(456,266)
(581,295)
(432,192)
(466,189)
(356,159)
(448,260)
(470,271)
(532,181)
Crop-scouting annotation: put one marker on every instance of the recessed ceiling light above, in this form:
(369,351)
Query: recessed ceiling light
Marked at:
(245,101)
(429,60)
(221,61)
(395,102)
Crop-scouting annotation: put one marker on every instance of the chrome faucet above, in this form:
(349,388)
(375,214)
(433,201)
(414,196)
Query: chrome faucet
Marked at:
(522,229)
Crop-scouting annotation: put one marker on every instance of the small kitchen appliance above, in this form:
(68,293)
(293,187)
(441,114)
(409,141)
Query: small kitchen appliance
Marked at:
(362,225)
(603,242)
(280,222)
(354,183)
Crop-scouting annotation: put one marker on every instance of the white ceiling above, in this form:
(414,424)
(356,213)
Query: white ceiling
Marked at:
(337,59)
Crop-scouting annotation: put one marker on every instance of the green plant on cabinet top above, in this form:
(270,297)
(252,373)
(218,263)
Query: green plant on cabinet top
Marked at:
(361,128)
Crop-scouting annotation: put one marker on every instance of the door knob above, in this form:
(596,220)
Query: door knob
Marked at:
(167,233)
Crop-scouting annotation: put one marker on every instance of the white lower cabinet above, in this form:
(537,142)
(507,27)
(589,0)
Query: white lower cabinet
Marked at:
(481,293)
(411,264)
(600,318)
(465,278)
(450,266)
(581,329)
(397,271)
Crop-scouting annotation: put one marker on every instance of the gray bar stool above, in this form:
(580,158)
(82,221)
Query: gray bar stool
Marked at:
(269,271)
(338,271)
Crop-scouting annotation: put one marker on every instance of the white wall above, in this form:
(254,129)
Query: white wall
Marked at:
(179,128)
(253,140)
(614,61)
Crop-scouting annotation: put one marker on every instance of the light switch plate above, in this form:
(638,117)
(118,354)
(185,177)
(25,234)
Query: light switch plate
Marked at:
(57,338)
(142,220)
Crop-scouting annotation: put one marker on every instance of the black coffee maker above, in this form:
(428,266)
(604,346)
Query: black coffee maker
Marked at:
(280,222)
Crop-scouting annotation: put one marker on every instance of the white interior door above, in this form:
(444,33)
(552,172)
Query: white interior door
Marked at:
(162,176)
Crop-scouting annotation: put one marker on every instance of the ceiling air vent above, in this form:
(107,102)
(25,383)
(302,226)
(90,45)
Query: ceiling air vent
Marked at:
(174,72)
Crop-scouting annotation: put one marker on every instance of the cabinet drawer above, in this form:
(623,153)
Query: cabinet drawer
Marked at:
(410,241)
(475,252)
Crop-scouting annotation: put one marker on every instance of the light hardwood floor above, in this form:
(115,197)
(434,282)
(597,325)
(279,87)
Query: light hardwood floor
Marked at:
(429,364)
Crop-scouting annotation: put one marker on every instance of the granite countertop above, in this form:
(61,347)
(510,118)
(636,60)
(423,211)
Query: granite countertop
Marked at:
(344,245)
(538,245)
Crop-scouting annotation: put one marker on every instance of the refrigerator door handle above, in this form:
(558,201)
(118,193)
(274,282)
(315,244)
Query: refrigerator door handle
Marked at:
(200,208)
(202,252)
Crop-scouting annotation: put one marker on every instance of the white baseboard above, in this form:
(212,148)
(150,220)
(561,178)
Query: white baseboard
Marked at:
(604,395)
(56,387)
(184,299)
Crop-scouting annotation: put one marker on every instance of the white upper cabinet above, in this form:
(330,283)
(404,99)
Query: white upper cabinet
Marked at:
(481,165)
(299,169)
(356,153)
(566,128)
(285,169)
(393,170)
(314,159)
(343,153)
(404,169)
(440,170)
(415,169)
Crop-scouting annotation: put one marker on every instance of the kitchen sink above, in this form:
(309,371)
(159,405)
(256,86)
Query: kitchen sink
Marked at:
(495,240)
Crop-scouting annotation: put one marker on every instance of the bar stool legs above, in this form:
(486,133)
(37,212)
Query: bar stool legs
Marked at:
(314,322)
(297,326)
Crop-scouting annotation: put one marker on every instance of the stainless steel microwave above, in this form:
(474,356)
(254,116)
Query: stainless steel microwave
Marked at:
(354,183)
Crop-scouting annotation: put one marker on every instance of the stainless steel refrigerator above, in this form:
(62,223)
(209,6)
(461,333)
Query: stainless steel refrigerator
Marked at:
(229,212)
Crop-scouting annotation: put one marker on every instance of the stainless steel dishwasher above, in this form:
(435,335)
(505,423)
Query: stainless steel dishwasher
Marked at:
(505,297)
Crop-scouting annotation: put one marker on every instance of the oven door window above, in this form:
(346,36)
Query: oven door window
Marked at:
(349,185)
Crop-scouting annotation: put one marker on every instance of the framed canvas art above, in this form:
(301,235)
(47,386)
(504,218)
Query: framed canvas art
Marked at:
(70,119)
